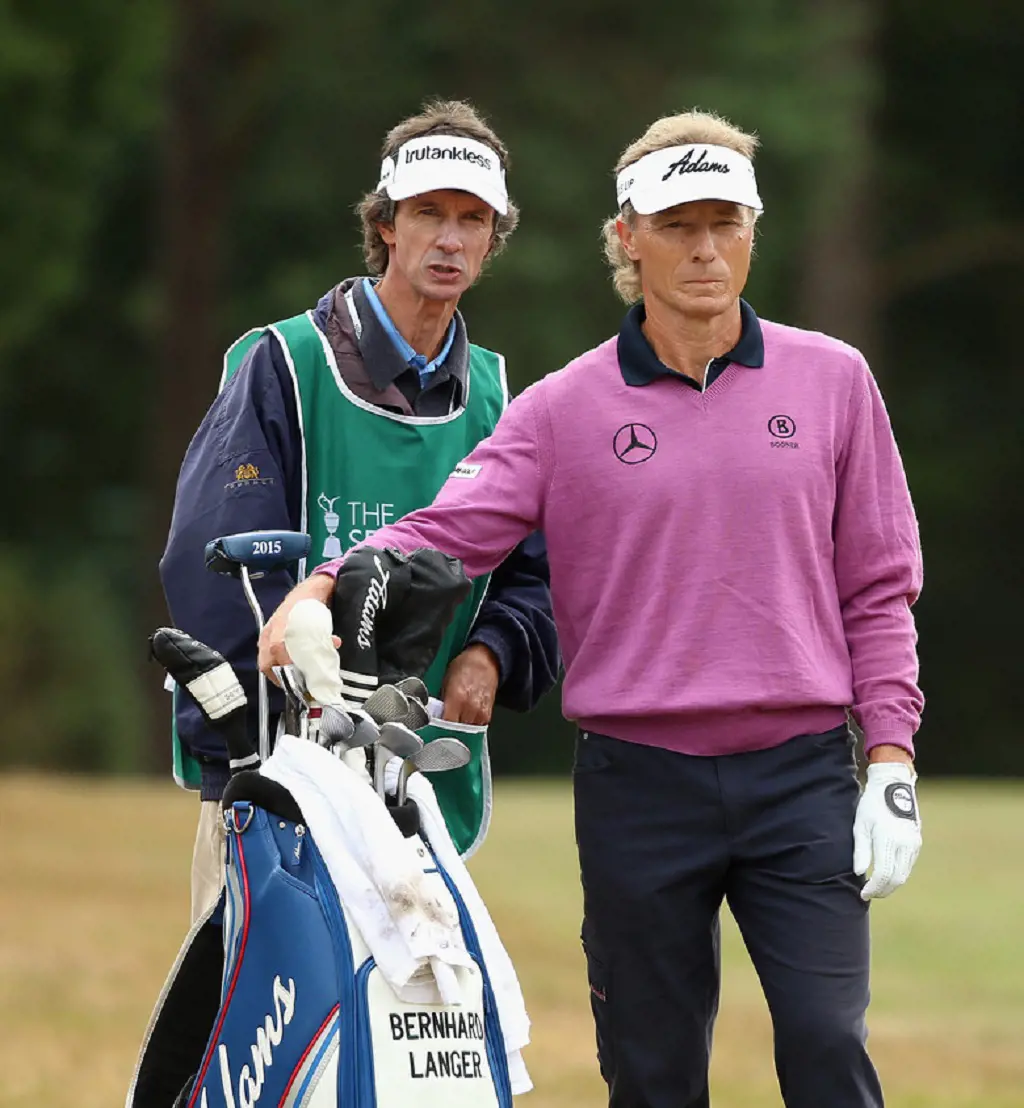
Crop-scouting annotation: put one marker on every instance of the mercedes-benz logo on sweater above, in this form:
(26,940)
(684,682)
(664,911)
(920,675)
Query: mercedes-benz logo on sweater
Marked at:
(634,443)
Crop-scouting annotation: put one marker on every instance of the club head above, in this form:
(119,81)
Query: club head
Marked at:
(414,689)
(443,753)
(387,704)
(399,740)
(366,730)
(338,728)
(418,716)
(390,704)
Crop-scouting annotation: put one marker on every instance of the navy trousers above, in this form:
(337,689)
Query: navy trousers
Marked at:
(663,838)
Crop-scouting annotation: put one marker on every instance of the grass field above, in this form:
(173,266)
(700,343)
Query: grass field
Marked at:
(93,906)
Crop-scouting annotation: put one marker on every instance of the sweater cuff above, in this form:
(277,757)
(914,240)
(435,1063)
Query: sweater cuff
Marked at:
(496,645)
(889,733)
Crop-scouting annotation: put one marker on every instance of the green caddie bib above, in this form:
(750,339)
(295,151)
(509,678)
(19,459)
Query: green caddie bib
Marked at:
(362,468)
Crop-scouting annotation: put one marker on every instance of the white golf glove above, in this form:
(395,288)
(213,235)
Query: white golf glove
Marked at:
(887,828)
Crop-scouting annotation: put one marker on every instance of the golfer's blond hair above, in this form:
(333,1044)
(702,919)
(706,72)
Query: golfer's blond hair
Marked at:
(438,117)
(671,130)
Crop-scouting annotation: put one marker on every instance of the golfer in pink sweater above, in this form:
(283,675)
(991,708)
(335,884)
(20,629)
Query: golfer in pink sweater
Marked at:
(734,556)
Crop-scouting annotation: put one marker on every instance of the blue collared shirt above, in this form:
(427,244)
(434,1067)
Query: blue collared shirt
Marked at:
(412,359)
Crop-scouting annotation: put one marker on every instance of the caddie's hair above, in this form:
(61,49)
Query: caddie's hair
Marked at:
(438,117)
(671,130)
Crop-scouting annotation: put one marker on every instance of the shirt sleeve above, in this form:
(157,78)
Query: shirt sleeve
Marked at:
(517,624)
(241,473)
(491,502)
(878,571)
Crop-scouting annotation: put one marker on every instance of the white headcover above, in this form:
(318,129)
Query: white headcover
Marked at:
(445,162)
(679,174)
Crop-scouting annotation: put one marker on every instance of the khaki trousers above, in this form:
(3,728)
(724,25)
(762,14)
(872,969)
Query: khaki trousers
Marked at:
(207,858)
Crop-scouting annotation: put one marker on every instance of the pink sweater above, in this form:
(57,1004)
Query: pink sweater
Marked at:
(746,581)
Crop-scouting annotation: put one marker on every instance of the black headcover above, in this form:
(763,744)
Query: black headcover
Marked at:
(391,610)
(204,674)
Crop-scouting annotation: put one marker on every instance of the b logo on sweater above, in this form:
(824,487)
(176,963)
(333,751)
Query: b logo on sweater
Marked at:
(782,428)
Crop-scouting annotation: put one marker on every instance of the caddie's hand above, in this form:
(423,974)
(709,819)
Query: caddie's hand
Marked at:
(887,828)
(272,649)
(470,686)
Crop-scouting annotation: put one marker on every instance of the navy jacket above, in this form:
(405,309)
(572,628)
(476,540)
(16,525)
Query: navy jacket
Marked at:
(253,421)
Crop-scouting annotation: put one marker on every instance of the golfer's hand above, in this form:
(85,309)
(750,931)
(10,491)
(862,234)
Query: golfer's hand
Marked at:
(470,686)
(887,828)
(272,650)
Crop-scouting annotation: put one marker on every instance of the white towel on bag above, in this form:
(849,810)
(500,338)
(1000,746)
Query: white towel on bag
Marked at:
(409,922)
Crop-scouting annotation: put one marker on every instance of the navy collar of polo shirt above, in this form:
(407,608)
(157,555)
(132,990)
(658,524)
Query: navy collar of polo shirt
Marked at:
(639,364)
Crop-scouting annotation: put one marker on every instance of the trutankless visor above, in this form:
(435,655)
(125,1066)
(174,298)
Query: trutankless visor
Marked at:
(445,162)
(680,174)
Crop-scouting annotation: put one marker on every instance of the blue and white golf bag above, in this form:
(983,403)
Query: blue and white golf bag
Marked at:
(303,1017)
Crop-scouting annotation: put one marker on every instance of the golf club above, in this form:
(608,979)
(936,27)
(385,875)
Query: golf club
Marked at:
(414,689)
(444,753)
(394,740)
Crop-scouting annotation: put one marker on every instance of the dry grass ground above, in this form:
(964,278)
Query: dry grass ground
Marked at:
(93,905)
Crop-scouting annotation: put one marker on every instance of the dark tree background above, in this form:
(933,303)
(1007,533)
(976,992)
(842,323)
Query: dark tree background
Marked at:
(177,171)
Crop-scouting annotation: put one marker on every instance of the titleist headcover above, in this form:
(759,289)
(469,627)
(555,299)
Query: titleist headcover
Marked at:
(391,610)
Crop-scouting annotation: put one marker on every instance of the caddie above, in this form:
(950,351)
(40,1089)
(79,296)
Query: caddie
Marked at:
(344,418)
(734,557)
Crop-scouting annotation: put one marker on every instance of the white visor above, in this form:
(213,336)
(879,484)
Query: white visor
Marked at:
(679,174)
(445,162)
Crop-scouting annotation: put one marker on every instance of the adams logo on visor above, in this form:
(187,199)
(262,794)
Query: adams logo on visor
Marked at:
(701,163)
(681,174)
(436,162)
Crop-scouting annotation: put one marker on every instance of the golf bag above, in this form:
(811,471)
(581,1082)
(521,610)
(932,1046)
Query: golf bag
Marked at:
(275,997)
(303,1016)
